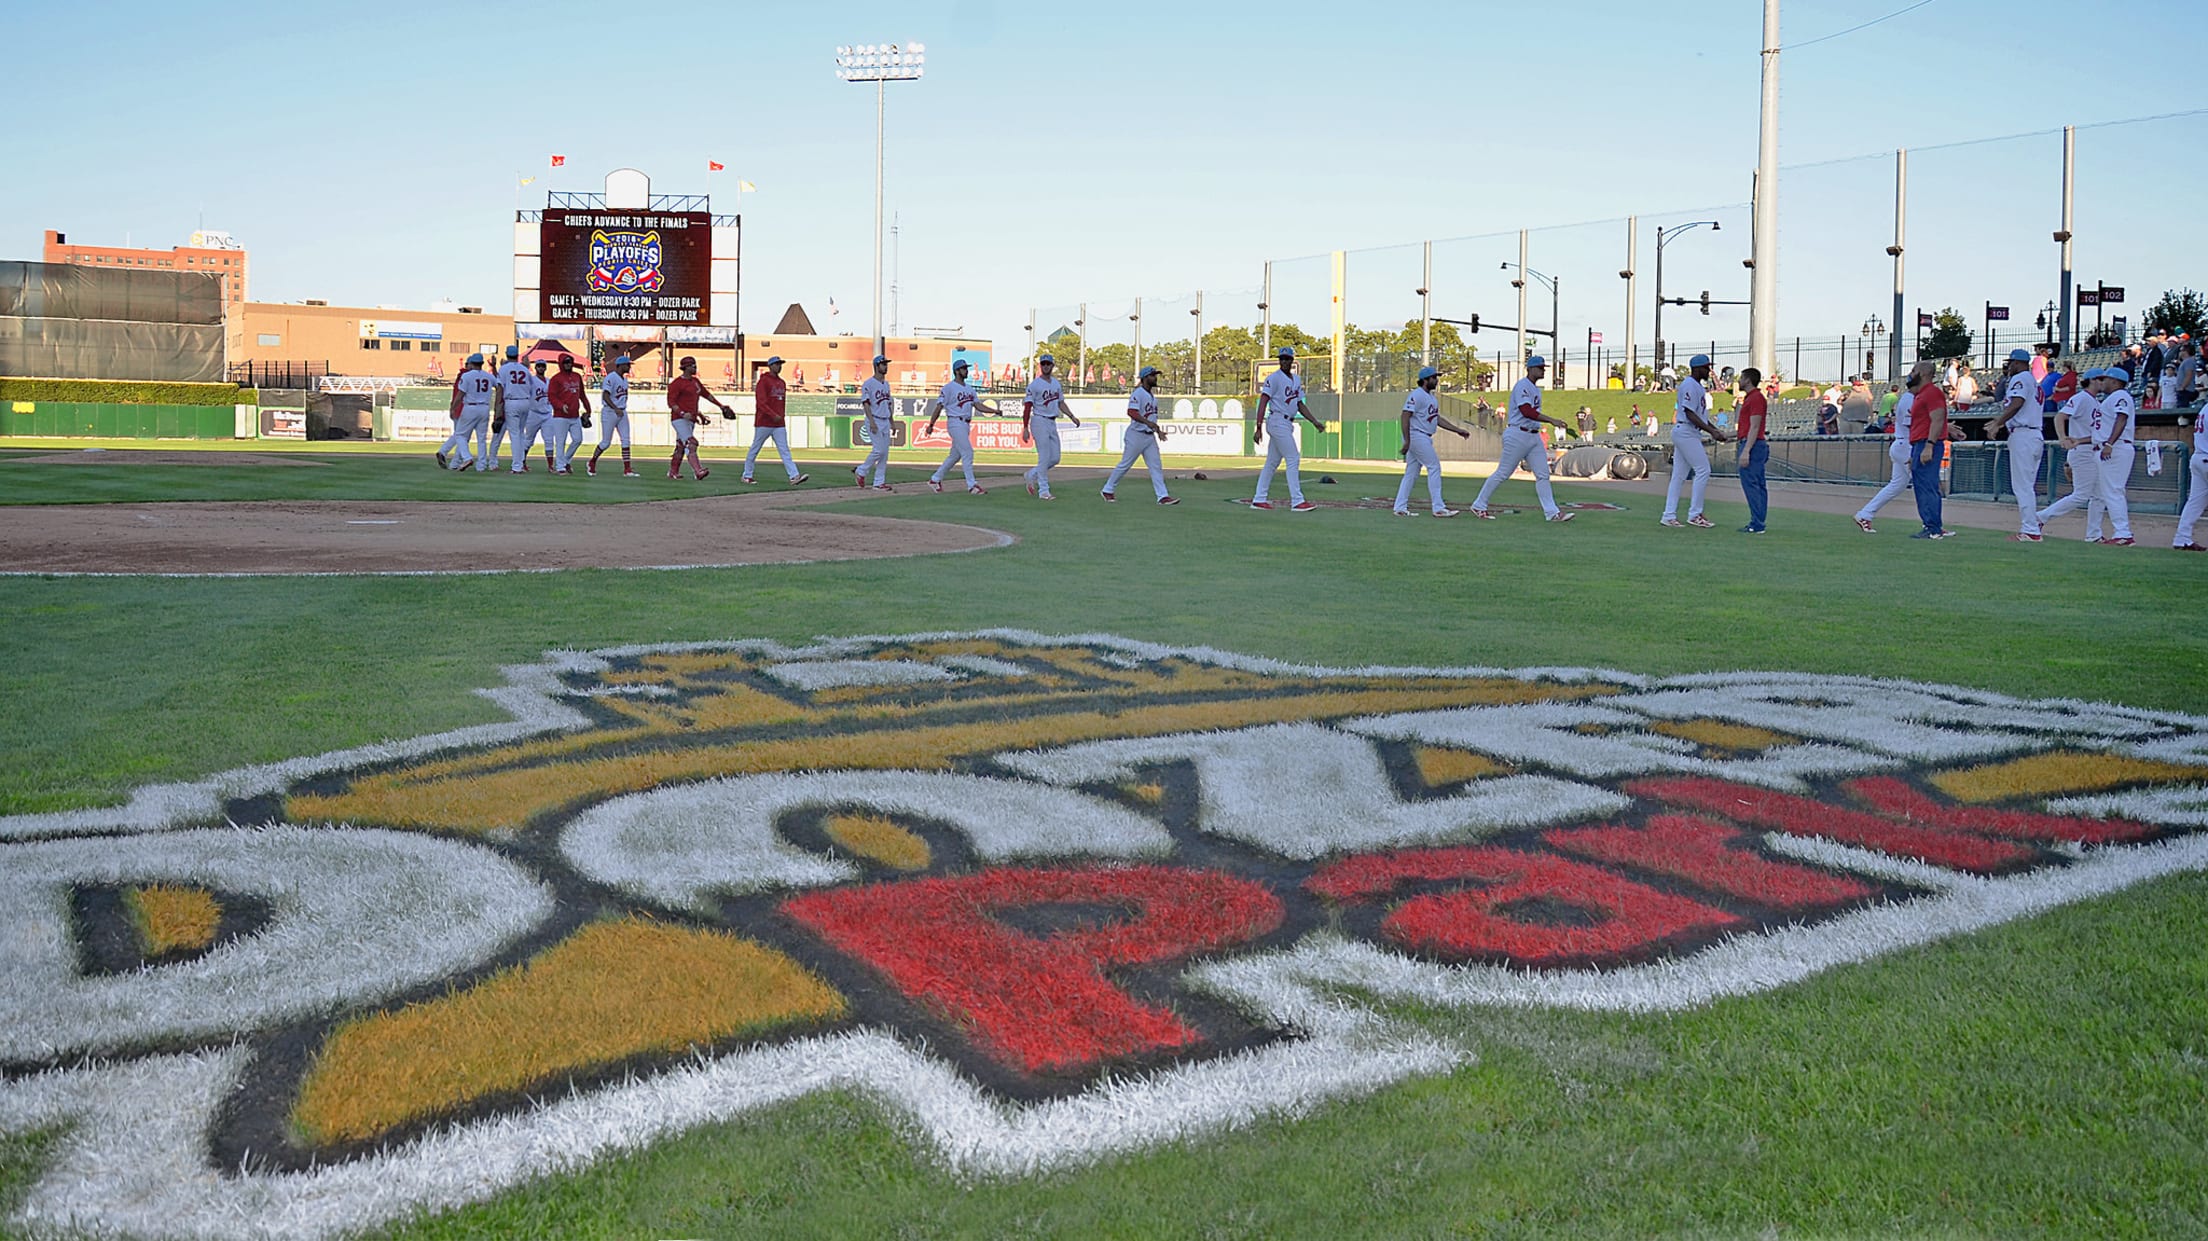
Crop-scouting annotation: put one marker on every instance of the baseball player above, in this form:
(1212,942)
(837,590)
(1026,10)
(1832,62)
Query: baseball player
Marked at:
(2074,431)
(1689,424)
(516,398)
(1897,451)
(683,396)
(613,413)
(2019,415)
(2114,435)
(1143,434)
(1279,400)
(508,426)
(770,397)
(2196,498)
(1522,443)
(472,391)
(1039,415)
(957,403)
(881,426)
(1421,417)
(570,413)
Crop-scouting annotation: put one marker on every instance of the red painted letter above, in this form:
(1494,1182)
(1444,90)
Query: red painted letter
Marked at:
(1716,857)
(1041,1003)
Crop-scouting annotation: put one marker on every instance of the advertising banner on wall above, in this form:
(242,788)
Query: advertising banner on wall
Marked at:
(641,267)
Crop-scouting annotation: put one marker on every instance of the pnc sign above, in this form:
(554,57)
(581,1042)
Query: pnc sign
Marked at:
(1050,898)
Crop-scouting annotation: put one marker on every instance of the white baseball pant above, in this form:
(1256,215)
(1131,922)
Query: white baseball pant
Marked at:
(2027,447)
(759,439)
(1143,446)
(1519,446)
(2115,480)
(2085,491)
(1687,451)
(1421,456)
(563,435)
(879,431)
(1044,431)
(611,424)
(464,429)
(2196,500)
(1898,453)
(532,429)
(510,433)
(1281,449)
(962,450)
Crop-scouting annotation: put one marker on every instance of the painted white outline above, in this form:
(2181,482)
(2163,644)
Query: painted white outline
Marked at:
(130,1160)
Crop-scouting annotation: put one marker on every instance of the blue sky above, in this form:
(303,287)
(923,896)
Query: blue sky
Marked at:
(1062,153)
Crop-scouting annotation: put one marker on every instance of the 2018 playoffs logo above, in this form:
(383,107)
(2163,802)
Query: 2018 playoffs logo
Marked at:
(1046,898)
(625,262)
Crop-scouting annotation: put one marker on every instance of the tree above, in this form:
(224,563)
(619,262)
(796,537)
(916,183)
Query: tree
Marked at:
(2180,310)
(1950,336)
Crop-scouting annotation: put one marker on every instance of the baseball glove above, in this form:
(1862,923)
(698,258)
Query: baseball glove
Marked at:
(586,422)
(702,420)
(498,425)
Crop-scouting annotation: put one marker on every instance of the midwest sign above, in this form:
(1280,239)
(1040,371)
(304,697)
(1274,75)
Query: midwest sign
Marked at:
(1051,898)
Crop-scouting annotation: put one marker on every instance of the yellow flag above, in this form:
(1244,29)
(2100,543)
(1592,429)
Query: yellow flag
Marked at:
(527,180)
(746,186)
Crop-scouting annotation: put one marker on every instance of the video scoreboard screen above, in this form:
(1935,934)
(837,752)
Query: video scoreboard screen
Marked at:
(626,266)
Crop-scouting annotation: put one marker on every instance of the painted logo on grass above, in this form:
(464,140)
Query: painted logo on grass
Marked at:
(1046,898)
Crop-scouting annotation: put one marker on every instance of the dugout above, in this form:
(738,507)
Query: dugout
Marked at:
(59,321)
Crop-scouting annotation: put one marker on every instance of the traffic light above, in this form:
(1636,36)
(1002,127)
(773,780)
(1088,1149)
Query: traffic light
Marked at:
(1705,301)
(1475,323)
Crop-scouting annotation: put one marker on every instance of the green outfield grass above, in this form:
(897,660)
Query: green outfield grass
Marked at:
(2049,1077)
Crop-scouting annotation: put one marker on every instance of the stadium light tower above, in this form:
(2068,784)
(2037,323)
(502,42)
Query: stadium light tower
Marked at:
(881,64)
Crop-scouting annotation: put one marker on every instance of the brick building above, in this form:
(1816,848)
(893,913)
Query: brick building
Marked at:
(219,253)
(376,341)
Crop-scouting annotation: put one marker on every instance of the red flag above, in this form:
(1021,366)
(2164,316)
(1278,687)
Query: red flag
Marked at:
(559,161)
(714,165)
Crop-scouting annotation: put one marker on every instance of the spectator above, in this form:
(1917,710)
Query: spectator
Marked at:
(2157,355)
(1966,388)
(2043,361)
(1613,424)
(1586,423)
(2188,374)
(1828,419)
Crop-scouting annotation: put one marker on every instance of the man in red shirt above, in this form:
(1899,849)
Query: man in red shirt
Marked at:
(1751,437)
(570,413)
(770,398)
(683,396)
(1927,444)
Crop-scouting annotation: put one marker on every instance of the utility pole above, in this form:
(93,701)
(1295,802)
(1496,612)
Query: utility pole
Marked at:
(1632,264)
(2069,203)
(1901,230)
(1763,289)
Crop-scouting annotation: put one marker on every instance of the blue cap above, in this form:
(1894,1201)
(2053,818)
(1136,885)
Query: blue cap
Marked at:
(513,351)
(1700,359)
(960,364)
(1147,372)
(2095,373)
(881,360)
(2117,373)
(1286,352)
(1046,358)
(1427,372)
(621,359)
(2020,355)
(1536,360)
(475,359)
(775,360)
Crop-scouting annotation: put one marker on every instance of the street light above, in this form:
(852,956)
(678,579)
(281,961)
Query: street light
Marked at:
(1871,328)
(1549,283)
(881,64)
(1664,236)
(2048,314)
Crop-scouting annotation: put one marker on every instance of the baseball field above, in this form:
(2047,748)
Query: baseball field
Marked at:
(945,865)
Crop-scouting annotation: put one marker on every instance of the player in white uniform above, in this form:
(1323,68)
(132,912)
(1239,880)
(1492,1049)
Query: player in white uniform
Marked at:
(2196,495)
(508,426)
(1039,414)
(1421,418)
(881,426)
(957,403)
(1688,424)
(1279,400)
(613,415)
(2074,427)
(1143,434)
(1522,443)
(472,392)
(2115,436)
(1897,451)
(2020,416)
(515,398)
